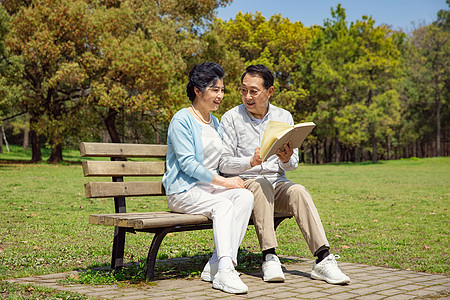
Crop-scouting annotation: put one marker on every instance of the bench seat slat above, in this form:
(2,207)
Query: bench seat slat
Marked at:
(147,220)
(123,189)
(123,168)
(153,219)
(121,150)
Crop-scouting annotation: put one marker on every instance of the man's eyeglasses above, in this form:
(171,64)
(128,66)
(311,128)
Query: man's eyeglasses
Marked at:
(253,92)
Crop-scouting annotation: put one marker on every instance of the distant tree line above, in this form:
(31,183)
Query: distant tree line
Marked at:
(115,70)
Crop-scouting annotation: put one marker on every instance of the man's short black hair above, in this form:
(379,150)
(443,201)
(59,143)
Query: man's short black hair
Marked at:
(262,71)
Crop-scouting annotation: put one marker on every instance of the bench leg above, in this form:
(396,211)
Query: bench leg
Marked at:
(118,248)
(153,251)
(277,221)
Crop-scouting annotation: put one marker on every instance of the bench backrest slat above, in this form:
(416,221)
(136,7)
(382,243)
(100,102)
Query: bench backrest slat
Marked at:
(123,168)
(123,189)
(121,150)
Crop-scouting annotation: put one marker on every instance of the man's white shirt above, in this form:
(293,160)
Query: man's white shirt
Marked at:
(242,134)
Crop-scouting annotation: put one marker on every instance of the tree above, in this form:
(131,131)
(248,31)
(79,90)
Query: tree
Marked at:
(276,42)
(108,56)
(429,70)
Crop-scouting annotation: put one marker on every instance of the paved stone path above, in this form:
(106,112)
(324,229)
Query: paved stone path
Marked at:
(367,282)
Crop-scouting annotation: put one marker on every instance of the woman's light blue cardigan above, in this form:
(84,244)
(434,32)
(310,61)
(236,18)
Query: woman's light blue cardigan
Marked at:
(184,158)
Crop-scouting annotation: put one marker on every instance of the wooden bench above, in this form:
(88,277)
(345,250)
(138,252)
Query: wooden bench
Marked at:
(158,222)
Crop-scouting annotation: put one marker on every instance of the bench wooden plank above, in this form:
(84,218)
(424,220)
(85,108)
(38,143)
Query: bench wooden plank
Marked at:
(123,168)
(121,150)
(123,189)
(148,219)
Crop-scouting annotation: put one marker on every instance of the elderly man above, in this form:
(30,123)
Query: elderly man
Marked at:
(243,128)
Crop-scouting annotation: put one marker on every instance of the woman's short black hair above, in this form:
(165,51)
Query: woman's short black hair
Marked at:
(262,71)
(203,75)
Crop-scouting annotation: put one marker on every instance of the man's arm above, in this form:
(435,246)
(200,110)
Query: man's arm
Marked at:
(230,163)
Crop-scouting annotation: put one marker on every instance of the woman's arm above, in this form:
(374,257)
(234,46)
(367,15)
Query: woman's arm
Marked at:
(182,139)
(229,183)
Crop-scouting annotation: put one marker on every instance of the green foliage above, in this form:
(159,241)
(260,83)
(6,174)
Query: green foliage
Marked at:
(72,69)
(276,42)
(102,57)
(351,74)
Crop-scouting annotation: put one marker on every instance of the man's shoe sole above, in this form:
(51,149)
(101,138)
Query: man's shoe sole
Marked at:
(274,279)
(226,289)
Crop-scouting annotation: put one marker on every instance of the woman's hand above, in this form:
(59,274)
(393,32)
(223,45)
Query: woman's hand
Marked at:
(229,183)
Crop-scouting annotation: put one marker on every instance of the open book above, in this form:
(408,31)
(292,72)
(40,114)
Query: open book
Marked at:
(279,133)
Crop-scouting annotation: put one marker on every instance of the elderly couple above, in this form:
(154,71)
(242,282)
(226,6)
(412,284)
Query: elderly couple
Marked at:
(200,149)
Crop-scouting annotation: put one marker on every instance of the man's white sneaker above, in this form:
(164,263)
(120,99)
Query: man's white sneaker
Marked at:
(272,269)
(209,271)
(329,271)
(228,281)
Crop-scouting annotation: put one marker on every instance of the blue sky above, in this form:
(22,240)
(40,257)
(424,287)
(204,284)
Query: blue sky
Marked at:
(398,13)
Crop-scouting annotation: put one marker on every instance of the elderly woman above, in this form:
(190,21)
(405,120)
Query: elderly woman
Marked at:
(193,184)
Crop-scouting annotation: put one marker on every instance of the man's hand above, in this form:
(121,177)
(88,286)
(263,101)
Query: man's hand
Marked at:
(285,155)
(256,158)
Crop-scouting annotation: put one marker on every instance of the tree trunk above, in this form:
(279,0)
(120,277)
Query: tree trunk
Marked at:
(4,139)
(36,154)
(313,156)
(110,123)
(374,150)
(330,151)
(1,145)
(302,154)
(438,125)
(317,154)
(26,139)
(389,148)
(56,154)
(337,150)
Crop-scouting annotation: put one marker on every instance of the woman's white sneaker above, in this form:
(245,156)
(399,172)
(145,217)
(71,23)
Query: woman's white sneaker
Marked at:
(228,281)
(329,271)
(272,269)
(209,271)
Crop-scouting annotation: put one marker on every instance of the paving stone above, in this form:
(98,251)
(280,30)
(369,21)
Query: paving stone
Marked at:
(439,288)
(341,296)
(371,297)
(390,292)
(400,297)
(365,291)
(336,289)
(315,295)
(284,295)
(410,287)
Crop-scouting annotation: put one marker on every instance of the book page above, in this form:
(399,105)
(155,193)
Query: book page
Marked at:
(273,130)
(295,134)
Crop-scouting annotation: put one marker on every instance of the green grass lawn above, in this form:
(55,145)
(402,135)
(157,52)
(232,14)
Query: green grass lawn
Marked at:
(393,214)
